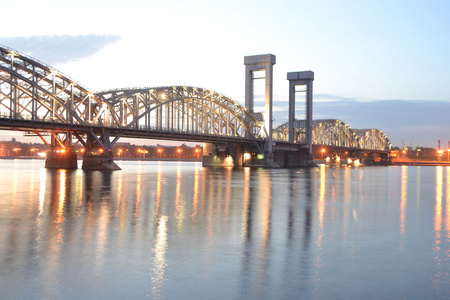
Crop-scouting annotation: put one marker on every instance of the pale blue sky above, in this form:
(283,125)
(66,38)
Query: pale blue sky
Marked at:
(360,51)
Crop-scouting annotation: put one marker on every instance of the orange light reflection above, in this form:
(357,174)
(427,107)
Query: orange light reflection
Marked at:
(158,189)
(195,196)
(447,204)
(321,203)
(403,199)
(438,207)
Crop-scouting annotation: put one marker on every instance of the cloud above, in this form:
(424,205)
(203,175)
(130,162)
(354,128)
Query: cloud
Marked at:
(57,49)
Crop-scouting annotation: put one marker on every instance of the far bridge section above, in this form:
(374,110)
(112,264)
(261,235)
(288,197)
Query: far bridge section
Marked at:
(335,138)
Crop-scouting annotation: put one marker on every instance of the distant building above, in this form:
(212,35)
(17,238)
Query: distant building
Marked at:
(10,148)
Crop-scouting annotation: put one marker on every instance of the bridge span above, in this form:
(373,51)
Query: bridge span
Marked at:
(37,99)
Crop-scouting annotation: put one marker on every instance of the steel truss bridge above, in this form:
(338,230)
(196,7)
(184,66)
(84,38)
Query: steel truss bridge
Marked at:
(335,133)
(36,98)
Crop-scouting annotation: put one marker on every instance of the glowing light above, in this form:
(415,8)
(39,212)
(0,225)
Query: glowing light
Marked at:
(247,156)
(228,161)
(260,156)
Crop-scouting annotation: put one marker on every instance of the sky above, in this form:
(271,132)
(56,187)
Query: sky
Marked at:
(377,64)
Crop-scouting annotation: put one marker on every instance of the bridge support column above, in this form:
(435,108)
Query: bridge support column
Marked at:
(223,155)
(96,162)
(98,155)
(237,154)
(58,160)
(259,63)
(60,155)
(301,78)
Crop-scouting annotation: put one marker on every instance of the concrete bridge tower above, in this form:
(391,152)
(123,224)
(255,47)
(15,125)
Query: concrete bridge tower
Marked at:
(301,78)
(265,63)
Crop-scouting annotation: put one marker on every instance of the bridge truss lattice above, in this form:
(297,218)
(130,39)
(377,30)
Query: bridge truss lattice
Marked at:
(37,96)
(332,132)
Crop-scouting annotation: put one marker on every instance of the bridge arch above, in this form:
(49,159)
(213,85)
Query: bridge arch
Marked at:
(332,132)
(33,91)
(373,139)
(328,132)
(184,109)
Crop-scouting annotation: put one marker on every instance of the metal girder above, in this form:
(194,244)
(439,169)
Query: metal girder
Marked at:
(35,96)
(372,139)
(186,109)
(335,133)
(31,90)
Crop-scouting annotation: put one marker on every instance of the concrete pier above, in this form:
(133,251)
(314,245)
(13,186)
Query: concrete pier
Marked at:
(99,163)
(61,160)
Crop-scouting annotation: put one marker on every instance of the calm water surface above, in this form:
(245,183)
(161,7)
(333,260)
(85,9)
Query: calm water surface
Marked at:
(172,230)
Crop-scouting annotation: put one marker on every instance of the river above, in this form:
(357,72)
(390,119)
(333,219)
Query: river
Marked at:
(176,230)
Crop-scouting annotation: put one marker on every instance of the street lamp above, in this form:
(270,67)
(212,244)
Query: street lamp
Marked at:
(323,151)
(33,150)
(16,150)
(440,153)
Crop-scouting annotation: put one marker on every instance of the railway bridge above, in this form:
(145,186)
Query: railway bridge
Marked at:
(37,99)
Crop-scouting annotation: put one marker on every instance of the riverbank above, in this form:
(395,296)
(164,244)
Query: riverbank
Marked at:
(116,158)
(401,163)
(421,163)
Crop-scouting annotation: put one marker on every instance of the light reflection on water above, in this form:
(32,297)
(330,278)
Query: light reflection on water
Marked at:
(166,230)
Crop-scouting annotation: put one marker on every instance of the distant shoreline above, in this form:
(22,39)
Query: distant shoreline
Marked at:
(115,158)
(394,163)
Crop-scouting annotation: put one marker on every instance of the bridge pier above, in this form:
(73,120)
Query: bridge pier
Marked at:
(61,155)
(285,155)
(292,156)
(61,160)
(225,155)
(99,162)
(232,155)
